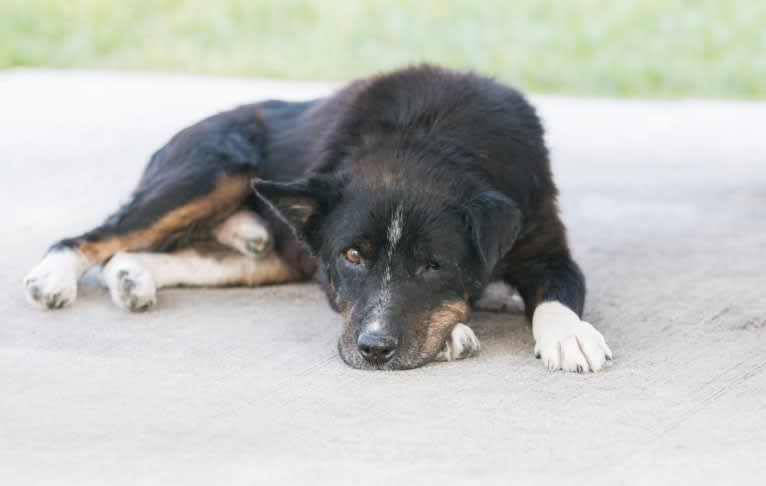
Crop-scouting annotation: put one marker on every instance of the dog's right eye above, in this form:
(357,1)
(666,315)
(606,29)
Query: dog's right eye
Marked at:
(353,256)
(432,265)
(428,267)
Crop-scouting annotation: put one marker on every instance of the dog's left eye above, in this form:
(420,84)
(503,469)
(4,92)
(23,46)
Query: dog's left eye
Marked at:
(353,256)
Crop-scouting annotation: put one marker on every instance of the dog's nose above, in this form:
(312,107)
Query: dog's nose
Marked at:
(377,348)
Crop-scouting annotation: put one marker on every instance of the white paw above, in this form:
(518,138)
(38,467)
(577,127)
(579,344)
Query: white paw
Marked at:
(564,342)
(131,286)
(247,233)
(52,284)
(461,343)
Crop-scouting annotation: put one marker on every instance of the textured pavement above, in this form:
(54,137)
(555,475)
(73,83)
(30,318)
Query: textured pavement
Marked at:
(666,205)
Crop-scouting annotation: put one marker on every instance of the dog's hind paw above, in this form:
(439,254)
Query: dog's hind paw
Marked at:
(462,343)
(130,285)
(247,233)
(52,284)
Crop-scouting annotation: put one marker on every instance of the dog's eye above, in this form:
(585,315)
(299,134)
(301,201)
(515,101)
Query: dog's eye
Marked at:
(353,256)
(429,266)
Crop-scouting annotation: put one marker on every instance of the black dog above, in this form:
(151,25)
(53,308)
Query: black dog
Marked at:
(412,191)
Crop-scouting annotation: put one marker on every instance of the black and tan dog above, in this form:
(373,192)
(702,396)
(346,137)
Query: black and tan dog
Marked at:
(412,191)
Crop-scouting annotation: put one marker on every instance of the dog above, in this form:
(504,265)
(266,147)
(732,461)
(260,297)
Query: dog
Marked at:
(404,194)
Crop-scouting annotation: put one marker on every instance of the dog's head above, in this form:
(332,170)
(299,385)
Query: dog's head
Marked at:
(399,261)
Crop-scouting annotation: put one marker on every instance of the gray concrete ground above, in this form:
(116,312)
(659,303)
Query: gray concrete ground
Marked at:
(666,204)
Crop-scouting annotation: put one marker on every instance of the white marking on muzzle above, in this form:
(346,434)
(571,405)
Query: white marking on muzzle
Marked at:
(383,301)
(395,230)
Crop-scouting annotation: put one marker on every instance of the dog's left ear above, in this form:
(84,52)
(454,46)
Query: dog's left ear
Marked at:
(302,203)
(495,222)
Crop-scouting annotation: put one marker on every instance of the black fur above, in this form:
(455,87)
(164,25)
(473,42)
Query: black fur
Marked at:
(457,158)
(463,158)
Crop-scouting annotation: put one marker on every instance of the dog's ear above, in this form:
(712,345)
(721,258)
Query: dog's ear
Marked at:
(301,203)
(495,222)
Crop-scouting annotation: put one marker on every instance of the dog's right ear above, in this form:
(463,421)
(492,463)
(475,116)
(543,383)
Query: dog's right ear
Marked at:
(302,203)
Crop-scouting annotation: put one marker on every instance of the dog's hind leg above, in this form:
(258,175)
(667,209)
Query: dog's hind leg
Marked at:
(133,278)
(191,185)
(157,217)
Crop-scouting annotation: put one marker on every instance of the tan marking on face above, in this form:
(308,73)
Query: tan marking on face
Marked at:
(223,200)
(440,323)
(342,307)
(346,310)
(345,313)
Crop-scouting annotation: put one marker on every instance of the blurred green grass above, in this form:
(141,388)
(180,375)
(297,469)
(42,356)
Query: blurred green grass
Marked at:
(651,48)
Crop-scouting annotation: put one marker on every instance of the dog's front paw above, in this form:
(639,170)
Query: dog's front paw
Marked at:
(130,285)
(564,342)
(52,284)
(461,343)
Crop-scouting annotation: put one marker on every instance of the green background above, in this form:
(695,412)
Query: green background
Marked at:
(649,48)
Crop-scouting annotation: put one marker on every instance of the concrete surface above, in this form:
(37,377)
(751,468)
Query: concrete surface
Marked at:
(666,203)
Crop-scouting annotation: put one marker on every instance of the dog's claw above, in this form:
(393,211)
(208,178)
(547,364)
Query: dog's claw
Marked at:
(258,246)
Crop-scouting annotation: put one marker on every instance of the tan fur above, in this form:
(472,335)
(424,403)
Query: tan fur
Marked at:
(224,199)
(440,323)
(270,270)
(213,266)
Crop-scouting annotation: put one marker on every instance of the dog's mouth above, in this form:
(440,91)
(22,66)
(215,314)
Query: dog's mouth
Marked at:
(401,359)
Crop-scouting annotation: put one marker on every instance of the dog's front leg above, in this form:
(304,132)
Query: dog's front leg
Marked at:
(553,289)
(565,342)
